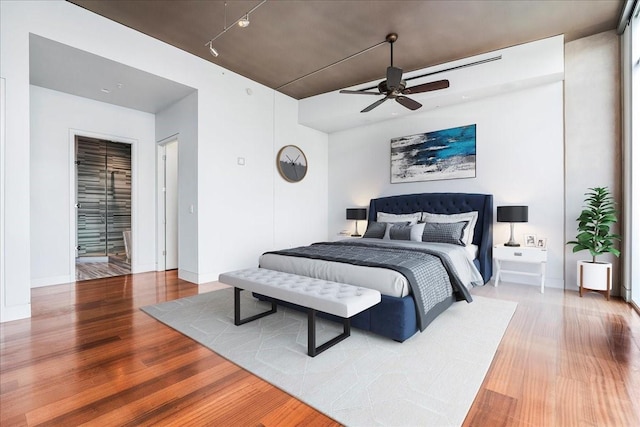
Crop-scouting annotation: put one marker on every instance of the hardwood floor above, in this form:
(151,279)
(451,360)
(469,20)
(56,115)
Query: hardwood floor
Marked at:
(116,266)
(89,355)
(564,361)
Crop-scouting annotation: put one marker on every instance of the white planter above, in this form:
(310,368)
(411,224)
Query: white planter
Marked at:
(594,276)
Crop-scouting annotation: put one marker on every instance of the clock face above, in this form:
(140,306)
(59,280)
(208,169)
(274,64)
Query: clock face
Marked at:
(292,164)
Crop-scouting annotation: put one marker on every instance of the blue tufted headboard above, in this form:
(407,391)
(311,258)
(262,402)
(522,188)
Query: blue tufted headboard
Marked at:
(448,203)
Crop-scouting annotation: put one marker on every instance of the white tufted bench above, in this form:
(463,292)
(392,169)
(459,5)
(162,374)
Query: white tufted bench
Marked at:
(335,298)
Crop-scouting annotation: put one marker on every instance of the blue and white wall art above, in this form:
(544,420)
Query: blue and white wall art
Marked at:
(443,154)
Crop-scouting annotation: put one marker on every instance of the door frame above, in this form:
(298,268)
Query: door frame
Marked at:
(160,203)
(73,133)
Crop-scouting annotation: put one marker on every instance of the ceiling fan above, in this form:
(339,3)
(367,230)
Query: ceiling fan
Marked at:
(396,88)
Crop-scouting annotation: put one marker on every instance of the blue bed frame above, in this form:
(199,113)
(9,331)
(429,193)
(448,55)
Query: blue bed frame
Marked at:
(395,317)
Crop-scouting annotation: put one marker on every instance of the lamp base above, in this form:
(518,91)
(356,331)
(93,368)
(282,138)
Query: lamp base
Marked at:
(512,242)
(356,235)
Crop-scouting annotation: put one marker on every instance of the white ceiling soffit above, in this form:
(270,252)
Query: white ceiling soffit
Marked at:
(59,67)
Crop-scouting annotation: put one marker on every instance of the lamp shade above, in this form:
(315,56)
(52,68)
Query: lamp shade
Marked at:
(513,213)
(356,213)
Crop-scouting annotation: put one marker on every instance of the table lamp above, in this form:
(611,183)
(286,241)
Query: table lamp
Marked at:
(513,214)
(356,214)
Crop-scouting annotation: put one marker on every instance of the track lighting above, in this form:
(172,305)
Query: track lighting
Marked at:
(213,51)
(242,22)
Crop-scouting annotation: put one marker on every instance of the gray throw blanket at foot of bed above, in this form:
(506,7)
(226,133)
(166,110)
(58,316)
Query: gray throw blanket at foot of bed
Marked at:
(430,273)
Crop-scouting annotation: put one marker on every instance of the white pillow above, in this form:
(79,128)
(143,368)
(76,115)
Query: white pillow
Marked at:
(471,217)
(416,232)
(412,218)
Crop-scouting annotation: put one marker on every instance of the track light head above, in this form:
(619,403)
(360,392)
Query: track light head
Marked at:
(213,51)
(244,22)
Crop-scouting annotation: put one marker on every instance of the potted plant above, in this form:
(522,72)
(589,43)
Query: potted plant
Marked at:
(594,235)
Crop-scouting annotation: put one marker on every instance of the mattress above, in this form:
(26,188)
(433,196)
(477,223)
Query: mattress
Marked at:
(387,282)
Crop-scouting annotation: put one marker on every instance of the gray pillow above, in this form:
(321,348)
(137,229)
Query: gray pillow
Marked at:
(400,231)
(375,230)
(445,232)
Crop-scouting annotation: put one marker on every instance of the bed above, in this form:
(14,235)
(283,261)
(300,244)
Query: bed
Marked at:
(404,308)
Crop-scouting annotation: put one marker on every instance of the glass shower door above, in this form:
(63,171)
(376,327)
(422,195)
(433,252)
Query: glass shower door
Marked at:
(103,195)
(91,170)
(118,203)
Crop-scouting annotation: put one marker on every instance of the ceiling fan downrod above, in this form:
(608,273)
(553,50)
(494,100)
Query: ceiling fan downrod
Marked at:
(391,39)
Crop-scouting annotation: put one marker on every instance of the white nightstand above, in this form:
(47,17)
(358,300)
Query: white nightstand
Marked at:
(524,254)
(338,237)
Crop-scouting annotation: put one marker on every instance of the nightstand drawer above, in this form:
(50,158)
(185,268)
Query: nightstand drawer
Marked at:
(520,254)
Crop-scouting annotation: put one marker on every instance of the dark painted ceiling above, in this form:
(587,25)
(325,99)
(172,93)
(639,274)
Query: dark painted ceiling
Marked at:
(289,39)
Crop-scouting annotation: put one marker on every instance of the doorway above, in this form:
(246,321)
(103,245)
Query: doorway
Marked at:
(103,208)
(168,232)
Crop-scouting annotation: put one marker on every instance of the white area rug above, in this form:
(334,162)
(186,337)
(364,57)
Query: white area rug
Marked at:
(366,380)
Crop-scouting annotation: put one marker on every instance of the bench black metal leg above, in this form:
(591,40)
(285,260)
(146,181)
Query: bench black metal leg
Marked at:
(312,350)
(236,309)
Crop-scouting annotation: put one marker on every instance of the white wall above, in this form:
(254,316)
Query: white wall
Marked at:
(181,119)
(55,118)
(237,207)
(593,133)
(519,159)
(299,223)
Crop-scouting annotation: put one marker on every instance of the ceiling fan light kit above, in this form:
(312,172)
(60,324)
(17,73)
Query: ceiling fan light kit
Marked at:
(396,88)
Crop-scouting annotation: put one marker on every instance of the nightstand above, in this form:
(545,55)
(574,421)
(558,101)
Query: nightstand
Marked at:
(523,254)
(338,237)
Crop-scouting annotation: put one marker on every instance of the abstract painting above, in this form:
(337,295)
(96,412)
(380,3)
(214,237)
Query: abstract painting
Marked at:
(442,154)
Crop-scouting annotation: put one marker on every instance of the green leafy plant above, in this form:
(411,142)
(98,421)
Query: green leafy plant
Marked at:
(594,224)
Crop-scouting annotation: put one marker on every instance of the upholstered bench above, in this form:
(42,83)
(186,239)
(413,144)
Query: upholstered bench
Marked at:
(335,298)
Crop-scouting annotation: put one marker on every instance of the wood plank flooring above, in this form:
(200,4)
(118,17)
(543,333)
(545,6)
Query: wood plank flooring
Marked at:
(89,356)
(564,361)
(99,270)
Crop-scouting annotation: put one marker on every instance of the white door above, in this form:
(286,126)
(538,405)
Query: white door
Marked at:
(171,205)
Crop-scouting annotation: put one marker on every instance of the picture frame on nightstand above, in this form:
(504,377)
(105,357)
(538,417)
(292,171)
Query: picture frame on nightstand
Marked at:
(541,242)
(530,240)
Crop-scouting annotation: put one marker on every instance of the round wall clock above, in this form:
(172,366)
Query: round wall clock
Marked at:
(292,163)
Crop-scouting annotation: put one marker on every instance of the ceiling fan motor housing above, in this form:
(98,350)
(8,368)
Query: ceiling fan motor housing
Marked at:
(395,88)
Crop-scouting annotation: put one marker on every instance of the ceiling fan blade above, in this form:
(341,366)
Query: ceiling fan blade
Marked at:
(408,102)
(394,77)
(374,105)
(427,87)
(358,92)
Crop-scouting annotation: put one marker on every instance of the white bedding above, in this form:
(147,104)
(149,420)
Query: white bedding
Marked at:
(387,282)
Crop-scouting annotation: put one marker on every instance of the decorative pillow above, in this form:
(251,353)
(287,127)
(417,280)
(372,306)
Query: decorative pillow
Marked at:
(444,232)
(375,230)
(387,235)
(399,231)
(412,218)
(471,217)
(416,232)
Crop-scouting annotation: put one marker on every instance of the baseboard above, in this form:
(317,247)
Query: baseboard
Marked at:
(143,268)
(196,278)
(16,312)
(50,281)
(550,282)
(189,276)
(207,278)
